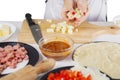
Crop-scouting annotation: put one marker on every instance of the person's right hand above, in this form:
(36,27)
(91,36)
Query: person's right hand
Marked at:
(67,7)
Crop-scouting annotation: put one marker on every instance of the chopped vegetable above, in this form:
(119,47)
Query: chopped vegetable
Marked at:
(73,16)
(68,75)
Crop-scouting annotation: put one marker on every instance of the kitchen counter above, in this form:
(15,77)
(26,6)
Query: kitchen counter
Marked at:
(68,61)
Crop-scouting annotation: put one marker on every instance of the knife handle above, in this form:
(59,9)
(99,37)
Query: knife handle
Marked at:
(29,19)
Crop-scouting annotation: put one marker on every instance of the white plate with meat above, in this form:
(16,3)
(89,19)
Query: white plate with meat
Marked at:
(6,30)
(16,55)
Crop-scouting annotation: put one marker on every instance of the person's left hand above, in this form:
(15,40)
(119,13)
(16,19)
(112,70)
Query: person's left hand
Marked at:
(83,6)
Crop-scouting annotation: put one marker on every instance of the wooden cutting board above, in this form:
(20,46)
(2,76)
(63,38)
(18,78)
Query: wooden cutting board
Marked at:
(86,31)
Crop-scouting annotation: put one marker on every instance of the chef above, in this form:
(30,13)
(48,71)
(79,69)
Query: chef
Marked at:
(93,10)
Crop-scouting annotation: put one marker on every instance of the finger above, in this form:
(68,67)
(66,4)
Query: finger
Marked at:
(64,15)
(83,9)
(82,5)
(75,4)
(79,21)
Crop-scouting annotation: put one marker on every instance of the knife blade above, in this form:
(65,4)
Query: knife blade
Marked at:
(35,29)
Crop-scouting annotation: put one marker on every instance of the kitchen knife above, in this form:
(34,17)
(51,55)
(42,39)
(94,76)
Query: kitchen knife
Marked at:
(35,29)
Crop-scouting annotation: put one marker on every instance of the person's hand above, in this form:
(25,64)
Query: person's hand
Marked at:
(67,7)
(70,6)
(83,6)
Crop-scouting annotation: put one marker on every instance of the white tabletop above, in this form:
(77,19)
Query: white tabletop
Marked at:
(68,61)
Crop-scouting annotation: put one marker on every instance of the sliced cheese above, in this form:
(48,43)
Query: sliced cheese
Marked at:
(5,30)
(1,33)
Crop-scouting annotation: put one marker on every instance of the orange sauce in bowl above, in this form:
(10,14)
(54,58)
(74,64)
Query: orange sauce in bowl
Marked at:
(56,49)
(56,46)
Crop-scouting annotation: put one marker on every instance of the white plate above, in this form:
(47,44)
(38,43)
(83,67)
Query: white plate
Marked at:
(12,28)
(19,66)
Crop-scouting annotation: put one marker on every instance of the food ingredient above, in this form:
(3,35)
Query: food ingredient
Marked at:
(56,49)
(101,55)
(61,27)
(68,75)
(56,46)
(86,71)
(4,30)
(78,72)
(74,15)
(10,56)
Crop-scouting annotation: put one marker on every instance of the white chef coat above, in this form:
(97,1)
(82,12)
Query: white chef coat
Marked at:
(98,10)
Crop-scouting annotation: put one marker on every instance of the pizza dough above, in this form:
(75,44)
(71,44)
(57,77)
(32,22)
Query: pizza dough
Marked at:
(102,55)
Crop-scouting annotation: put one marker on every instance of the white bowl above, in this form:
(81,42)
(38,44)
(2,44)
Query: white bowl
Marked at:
(12,28)
(116,20)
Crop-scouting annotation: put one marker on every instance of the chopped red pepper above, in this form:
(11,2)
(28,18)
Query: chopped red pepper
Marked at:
(73,13)
(68,75)
(84,13)
(74,19)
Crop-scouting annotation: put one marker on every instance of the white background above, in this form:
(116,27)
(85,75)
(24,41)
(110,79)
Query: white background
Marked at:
(15,10)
